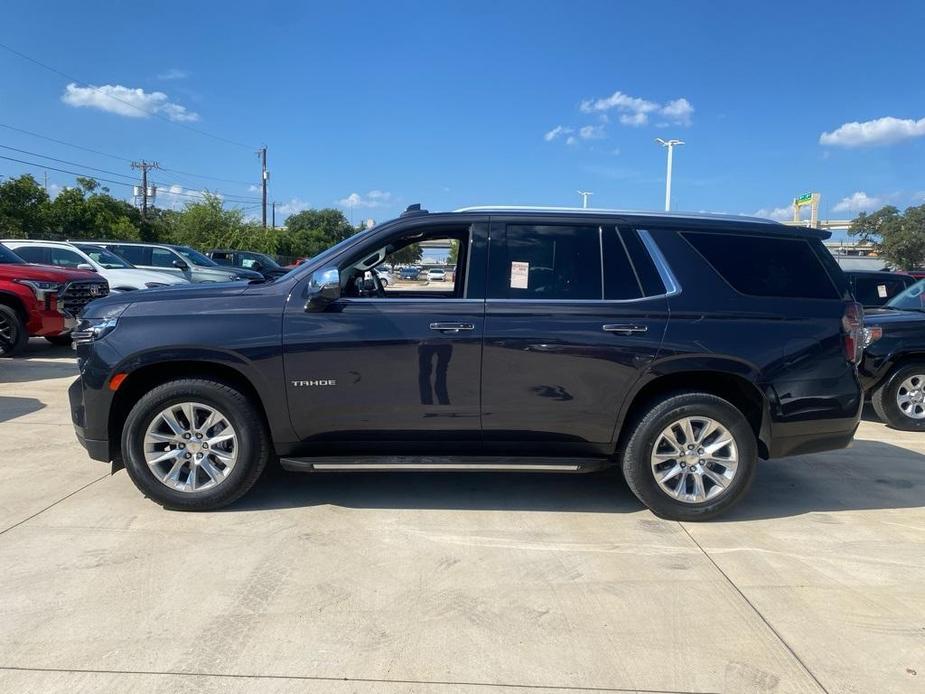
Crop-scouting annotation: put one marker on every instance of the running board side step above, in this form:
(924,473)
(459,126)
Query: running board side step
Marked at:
(443,463)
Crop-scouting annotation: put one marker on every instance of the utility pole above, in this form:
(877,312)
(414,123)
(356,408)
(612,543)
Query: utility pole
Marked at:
(274,214)
(670,144)
(263,182)
(584,198)
(145,193)
(45,174)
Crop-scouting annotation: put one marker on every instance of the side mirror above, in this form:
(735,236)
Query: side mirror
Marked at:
(323,289)
(86,266)
(181,265)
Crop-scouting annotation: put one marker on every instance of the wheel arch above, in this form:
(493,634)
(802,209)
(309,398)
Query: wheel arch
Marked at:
(735,387)
(141,380)
(15,303)
(897,361)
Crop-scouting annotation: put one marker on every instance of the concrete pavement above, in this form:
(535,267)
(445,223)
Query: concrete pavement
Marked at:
(451,583)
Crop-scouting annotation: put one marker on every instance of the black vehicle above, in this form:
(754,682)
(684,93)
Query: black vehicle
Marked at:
(872,289)
(679,348)
(249,260)
(892,369)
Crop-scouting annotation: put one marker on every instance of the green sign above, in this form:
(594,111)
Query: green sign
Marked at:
(804,199)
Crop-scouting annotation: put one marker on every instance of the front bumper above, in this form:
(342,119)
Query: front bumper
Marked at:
(97,449)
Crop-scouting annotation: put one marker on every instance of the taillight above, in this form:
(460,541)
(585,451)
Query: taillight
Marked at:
(853,327)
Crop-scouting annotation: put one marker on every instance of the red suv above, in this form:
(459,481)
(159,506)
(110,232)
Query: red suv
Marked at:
(41,300)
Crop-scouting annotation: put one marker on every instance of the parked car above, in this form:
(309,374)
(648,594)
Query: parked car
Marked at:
(384,276)
(873,289)
(436,275)
(892,370)
(181,261)
(249,260)
(409,273)
(41,301)
(121,275)
(701,344)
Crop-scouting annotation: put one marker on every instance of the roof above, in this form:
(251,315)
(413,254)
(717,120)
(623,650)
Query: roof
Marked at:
(625,213)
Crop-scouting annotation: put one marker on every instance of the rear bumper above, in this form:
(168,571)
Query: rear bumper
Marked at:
(801,438)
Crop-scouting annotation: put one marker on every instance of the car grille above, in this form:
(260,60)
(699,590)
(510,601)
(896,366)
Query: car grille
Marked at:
(79,293)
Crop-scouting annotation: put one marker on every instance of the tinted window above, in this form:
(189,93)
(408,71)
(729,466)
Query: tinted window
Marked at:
(651,281)
(620,279)
(876,291)
(8,257)
(195,257)
(547,262)
(32,254)
(765,266)
(107,259)
(65,258)
(134,254)
(161,257)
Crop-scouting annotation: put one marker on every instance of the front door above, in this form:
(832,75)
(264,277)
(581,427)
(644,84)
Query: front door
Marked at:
(571,322)
(394,369)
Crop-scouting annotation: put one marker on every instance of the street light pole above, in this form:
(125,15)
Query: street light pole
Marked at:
(670,144)
(584,198)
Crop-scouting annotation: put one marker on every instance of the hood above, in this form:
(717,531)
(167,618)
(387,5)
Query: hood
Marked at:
(138,278)
(886,316)
(46,273)
(177,292)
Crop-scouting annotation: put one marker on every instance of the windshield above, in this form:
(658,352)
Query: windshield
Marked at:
(249,258)
(7,257)
(195,257)
(912,298)
(109,261)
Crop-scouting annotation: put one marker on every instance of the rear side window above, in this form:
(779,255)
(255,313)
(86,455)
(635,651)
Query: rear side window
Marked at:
(621,281)
(32,254)
(162,258)
(546,262)
(134,254)
(765,265)
(876,291)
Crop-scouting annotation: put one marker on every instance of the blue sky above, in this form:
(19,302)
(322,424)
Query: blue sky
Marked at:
(372,106)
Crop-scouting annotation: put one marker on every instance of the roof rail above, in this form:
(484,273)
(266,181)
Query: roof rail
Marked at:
(598,210)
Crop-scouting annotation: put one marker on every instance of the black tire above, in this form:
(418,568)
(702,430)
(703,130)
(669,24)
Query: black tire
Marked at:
(60,340)
(13,335)
(636,455)
(884,399)
(254,447)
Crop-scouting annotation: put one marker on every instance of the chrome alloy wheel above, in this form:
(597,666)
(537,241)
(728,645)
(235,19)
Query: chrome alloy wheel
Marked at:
(190,447)
(694,459)
(6,334)
(910,398)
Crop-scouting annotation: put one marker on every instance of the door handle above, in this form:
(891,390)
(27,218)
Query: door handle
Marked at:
(625,328)
(452,327)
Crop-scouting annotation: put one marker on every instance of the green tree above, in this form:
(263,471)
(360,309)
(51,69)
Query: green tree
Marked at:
(206,224)
(88,211)
(897,236)
(24,208)
(311,231)
(409,255)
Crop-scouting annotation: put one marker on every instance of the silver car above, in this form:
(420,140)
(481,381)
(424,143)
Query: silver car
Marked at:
(180,260)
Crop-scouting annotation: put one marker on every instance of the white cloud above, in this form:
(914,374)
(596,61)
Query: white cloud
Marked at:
(636,112)
(253,189)
(374,198)
(591,132)
(133,103)
(780,214)
(173,74)
(558,131)
(881,131)
(176,196)
(292,206)
(858,202)
(571,140)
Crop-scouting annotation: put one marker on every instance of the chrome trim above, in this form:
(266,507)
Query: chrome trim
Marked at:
(577,301)
(672,285)
(401,300)
(452,327)
(624,329)
(601,210)
(445,466)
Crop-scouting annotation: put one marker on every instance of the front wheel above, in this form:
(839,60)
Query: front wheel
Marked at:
(12,332)
(900,402)
(690,457)
(195,444)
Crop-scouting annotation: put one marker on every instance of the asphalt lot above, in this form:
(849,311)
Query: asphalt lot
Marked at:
(450,583)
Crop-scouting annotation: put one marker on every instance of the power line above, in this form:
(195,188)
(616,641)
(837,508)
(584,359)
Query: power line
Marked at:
(155,114)
(64,161)
(166,187)
(72,173)
(210,178)
(62,142)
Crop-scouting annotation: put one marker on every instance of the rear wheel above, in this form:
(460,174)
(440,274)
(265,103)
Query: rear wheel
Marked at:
(195,444)
(13,333)
(60,340)
(900,402)
(690,457)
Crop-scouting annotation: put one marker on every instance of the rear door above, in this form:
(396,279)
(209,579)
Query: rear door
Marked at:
(576,310)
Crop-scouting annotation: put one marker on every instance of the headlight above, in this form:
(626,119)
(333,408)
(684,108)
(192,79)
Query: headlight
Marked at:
(41,289)
(92,329)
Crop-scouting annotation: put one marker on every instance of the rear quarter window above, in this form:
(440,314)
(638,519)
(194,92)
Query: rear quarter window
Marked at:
(765,265)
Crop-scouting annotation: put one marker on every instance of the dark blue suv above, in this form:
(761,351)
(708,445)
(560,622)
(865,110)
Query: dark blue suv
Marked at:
(679,348)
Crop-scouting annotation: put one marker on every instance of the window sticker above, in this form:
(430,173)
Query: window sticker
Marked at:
(881,291)
(520,273)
